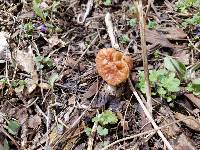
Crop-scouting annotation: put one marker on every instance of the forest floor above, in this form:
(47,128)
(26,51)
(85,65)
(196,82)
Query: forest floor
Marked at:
(53,98)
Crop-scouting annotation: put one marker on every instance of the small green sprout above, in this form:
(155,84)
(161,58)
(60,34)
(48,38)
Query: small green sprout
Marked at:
(105,118)
(102,131)
(12,126)
(38,11)
(52,79)
(41,61)
(162,82)
(132,22)
(124,39)
(107,2)
(28,28)
(184,5)
(194,86)
(88,131)
(195,20)
(152,24)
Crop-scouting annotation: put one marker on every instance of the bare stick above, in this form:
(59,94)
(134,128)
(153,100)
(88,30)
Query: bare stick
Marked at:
(143,133)
(144,55)
(149,116)
(81,17)
(10,137)
(110,31)
(91,138)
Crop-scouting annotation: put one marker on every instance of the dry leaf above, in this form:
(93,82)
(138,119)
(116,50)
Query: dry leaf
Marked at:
(25,60)
(20,113)
(54,40)
(34,122)
(72,100)
(156,38)
(191,122)
(193,99)
(91,91)
(174,33)
(183,143)
(45,86)
(182,56)
(4,46)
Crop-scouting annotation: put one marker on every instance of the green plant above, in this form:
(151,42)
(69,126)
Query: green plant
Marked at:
(124,39)
(38,11)
(28,28)
(41,61)
(103,119)
(195,20)
(162,82)
(175,66)
(107,2)
(12,126)
(132,22)
(152,24)
(18,83)
(55,5)
(52,79)
(6,144)
(184,5)
(194,86)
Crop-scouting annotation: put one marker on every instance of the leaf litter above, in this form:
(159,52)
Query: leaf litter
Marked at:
(51,91)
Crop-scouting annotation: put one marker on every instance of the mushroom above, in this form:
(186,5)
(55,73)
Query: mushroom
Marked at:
(113,66)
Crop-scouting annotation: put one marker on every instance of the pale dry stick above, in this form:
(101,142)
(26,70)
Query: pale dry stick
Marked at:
(144,55)
(110,31)
(143,133)
(82,17)
(196,48)
(147,113)
(91,138)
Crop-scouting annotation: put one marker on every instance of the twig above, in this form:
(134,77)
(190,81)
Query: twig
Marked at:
(78,119)
(10,137)
(91,138)
(93,41)
(143,133)
(149,116)
(194,46)
(81,17)
(110,31)
(148,6)
(144,55)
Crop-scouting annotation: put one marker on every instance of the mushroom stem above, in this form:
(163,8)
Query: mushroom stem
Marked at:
(109,89)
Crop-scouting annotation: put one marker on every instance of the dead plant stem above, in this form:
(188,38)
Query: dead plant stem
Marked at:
(149,116)
(143,133)
(144,55)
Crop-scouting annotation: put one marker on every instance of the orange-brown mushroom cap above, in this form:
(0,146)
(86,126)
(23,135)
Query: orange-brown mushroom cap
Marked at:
(113,66)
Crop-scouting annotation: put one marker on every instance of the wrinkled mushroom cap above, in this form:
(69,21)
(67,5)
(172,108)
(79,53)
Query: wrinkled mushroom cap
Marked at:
(113,66)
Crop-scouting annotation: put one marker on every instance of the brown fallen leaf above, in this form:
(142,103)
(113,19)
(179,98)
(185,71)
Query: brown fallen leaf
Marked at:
(54,40)
(193,99)
(174,33)
(25,60)
(45,86)
(34,122)
(183,56)
(156,38)
(183,143)
(91,91)
(191,122)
